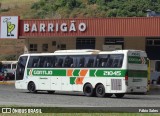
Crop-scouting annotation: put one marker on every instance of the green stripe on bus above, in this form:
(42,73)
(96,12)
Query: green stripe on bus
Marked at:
(92,73)
(137,60)
(72,80)
(137,73)
(107,73)
(46,72)
(76,72)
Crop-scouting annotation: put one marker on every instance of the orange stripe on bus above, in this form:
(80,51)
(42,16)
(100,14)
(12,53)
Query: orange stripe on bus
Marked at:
(69,72)
(79,80)
(83,72)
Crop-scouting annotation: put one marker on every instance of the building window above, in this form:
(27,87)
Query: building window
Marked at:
(113,41)
(63,46)
(45,47)
(85,43)
(53,43)
(33,47)
(111,44)
(153,42)
(153,47)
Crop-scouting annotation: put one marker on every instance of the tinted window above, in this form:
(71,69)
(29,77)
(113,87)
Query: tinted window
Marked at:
(109,61)
(21,67)
(42,61)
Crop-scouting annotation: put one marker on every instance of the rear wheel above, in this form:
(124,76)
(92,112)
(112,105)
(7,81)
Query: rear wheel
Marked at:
(32,87)
(119,95)
(100,91)
(51,92)
(88,90)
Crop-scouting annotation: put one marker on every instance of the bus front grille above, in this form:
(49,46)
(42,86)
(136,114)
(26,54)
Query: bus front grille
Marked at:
(116,84)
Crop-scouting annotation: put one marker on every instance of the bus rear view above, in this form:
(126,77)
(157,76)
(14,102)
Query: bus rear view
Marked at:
(136,77)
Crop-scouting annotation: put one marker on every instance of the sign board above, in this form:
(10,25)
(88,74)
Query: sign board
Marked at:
(9,27)
(112,47)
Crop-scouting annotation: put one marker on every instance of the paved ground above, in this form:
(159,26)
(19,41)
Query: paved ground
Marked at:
(11,96)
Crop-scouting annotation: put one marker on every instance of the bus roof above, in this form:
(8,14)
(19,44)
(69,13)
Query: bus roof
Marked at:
(75,51)
(82,51)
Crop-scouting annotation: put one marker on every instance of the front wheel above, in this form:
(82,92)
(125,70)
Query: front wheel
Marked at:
(119,95)
(32,87)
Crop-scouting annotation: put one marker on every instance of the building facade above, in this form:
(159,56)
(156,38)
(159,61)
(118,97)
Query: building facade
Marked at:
(141,33)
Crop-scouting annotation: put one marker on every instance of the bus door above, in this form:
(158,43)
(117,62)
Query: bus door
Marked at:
(21,72)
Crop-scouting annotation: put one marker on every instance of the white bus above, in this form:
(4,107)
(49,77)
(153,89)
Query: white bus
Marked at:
(9,67)
(92,72)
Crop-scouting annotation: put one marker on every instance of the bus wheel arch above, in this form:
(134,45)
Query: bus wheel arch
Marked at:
(88,90)
(32,87)
(100,90)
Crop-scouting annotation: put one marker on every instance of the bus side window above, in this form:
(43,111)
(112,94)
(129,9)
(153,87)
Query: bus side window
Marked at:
(115,63)
(59,62)
(34,63)
(81,62)
(110,63)
(90,63)
(68,62)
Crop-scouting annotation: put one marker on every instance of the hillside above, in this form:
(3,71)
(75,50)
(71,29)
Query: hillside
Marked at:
(16,7)
(93,8)
(77,8)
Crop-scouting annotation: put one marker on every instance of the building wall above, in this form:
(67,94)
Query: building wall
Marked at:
(11,47)
(137,43)
(99,43)
(69,41)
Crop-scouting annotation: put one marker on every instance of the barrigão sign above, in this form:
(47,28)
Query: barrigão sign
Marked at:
(55,27)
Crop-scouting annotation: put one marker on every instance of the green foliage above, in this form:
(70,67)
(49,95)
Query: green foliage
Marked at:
(7,57)
(4,9)
(91,1)
(94,8)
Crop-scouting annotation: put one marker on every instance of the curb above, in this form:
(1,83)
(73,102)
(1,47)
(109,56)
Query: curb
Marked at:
(7,82)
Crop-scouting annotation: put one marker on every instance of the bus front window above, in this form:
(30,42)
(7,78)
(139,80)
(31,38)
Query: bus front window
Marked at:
(21,67)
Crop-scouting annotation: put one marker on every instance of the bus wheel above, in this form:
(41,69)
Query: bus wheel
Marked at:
(32,87)
(100,91)
(119,95)
(51,92)
(88,90)
(108,94)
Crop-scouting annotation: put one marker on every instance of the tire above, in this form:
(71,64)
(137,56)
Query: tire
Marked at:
(100,91)
(88,90)
(32,87)
(119,95)
(51,92)
(109,94)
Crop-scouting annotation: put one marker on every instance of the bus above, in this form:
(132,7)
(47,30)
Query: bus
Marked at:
(93,72)
(10,68)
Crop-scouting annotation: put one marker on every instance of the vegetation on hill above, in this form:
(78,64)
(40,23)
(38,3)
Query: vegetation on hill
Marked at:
(93,8)
(77,8)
